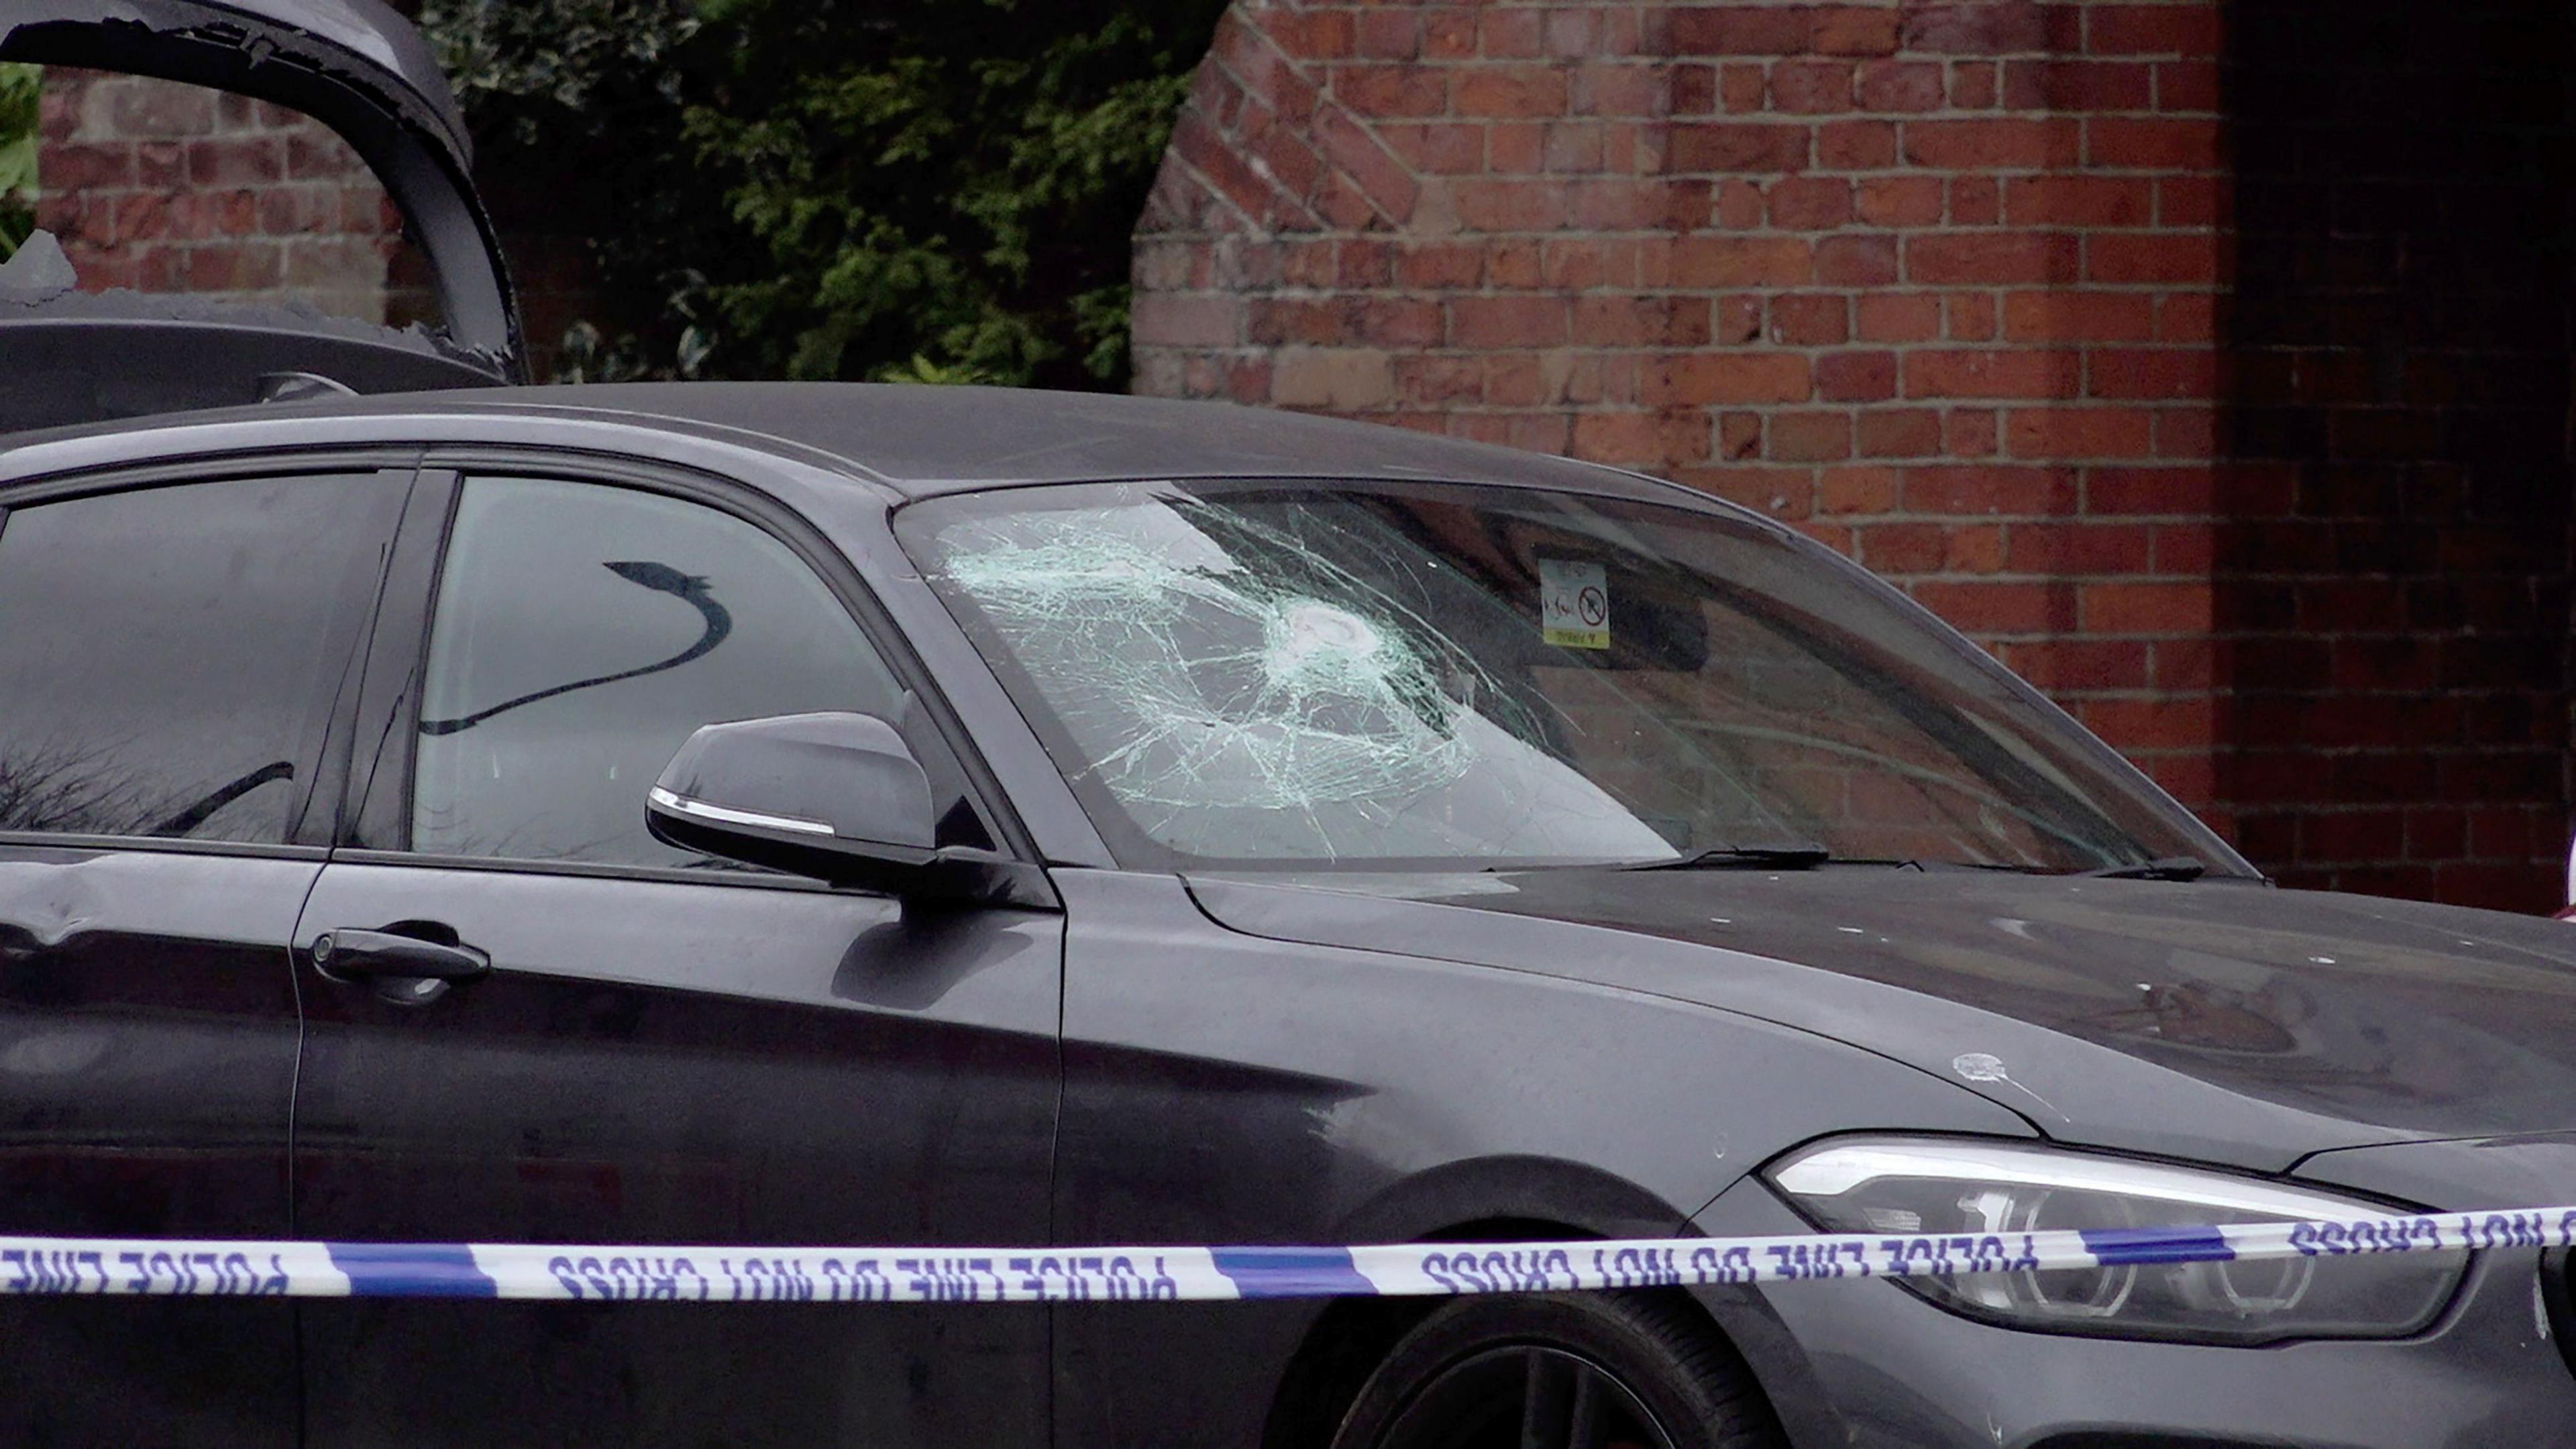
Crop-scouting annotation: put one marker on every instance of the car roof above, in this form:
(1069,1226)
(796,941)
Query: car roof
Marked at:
(926,440)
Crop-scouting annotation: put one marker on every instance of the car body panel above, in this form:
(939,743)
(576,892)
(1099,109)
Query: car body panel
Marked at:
(148,1033)
(2226,1023)
(702,1063)
(355,66)
(1222,1089)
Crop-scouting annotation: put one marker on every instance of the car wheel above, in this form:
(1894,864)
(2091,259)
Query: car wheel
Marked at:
(1598,1371)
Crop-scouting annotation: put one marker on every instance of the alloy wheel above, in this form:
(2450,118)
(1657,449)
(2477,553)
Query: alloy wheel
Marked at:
(1526,1396)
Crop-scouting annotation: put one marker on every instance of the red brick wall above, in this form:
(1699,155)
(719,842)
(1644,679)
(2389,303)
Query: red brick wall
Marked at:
(2393,580)
(162,187)
(1947,284)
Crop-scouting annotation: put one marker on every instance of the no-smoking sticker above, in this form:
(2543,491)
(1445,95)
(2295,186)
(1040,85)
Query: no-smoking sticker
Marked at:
(1574,604)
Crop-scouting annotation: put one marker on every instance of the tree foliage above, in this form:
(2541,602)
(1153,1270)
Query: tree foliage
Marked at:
(21,97)
(932,190)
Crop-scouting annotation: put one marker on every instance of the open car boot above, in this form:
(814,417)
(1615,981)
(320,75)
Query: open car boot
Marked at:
(205,231)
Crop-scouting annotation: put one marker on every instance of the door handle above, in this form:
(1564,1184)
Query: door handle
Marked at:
(373,955)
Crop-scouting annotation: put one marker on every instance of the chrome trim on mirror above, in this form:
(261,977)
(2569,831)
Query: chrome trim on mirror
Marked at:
(753,818)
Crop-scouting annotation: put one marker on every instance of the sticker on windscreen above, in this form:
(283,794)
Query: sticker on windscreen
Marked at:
(1574,603)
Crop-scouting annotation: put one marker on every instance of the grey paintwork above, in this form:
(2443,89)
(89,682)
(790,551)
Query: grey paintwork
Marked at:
(357,67)
(1270,1057)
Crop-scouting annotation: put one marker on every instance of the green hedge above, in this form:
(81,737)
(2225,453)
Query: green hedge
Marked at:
(20,91)
(923,189)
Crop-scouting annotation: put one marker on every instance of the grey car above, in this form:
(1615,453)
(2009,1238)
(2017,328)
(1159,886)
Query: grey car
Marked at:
(779,815)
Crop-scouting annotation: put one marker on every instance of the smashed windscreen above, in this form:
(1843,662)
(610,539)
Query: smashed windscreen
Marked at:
(1251,674)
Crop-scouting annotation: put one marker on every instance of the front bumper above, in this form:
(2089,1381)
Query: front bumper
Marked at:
(1868,1365)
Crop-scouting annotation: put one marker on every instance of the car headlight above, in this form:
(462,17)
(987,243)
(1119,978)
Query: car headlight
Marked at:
(1920,1185)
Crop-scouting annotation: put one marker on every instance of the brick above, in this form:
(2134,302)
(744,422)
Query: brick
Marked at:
(2069,549)
(1811,320)
(1856,261)
(1811,88)
(2192,30)
(2060,315)
(2164,372)
(2184,491)
(1993,145)
(1899,201)
(2078,87)
(1971,316)
(1890,86)
(1856,145)
(1999,608)
(1810,203)
(1631,321)
(1439,149)
(1437,265)
(2150,258)
(1345,379)
(1740,30)
(1510,91)
(1740,148)
(1900,433)
(2070,433)
(1976,201)
(1969,490)
(1993,374)
(1856,377)
(1973,86)
(1884,317)
(1380,91)
(1633,438)
(1377,34)
(1855,30)
(2189,86)
(2139,608)
(1702,262)
(2088,201)
(1997,27)
(1163,320)
(2152,145)
(1700,379)
(1857,490)
(1507,322)
(1969,433)
(1810,437)
(1992,258)
(1489,205)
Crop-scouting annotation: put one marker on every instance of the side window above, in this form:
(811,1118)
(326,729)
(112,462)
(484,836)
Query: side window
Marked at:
(169,657)
(582,633)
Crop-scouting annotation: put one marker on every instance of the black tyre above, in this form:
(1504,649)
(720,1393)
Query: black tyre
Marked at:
(1589,1371)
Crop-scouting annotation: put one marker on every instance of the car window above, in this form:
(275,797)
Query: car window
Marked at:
(1246,674)
(582,633)
(169,657)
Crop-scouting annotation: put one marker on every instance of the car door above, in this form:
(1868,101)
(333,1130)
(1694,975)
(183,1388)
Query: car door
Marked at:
(665,1050)
(173,659)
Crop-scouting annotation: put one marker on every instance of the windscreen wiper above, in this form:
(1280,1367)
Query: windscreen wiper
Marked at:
(2170,867)
(1745,857)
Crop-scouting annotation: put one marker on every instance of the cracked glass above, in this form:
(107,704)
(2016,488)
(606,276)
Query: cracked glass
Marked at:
(1436,676)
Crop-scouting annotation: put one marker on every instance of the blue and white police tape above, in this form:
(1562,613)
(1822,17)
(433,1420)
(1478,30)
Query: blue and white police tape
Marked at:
(165,1268)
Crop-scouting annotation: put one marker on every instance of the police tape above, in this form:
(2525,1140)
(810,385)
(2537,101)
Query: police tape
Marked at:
(563,1273)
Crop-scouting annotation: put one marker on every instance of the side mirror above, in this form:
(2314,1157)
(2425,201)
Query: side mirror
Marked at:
(837,797)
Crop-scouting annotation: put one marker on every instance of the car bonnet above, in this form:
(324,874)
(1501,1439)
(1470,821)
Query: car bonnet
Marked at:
(355,66)
(2222,1022)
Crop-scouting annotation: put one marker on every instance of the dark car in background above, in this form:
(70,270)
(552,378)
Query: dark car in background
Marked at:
(814,815)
